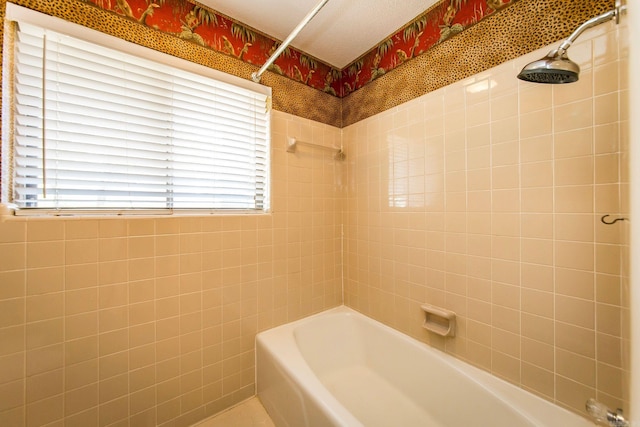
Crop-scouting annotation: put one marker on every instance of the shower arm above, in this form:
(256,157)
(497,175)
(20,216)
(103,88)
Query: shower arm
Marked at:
(607,16)
(257,75)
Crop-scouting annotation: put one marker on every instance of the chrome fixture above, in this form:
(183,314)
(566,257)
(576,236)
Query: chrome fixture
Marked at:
(256,76)
(604,416)
(556,67)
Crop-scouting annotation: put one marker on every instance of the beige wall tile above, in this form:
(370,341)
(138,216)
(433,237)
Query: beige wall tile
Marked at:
(44,359)
(576,115)
(11,367)
(538,226)
(575,227)
(537,174)
(113,342)
(112,249)
(575,367)
(13,339)
(606,108)
(113,318)
(108,228)
(575,283)
(12,312)
(45,411)
(81,301)
(610,380)
(42,230)
(13,284)
(81,251)
(538,380)
(533,244)
(44,333)
(574,143)
(81,229)
(608,319)
(572,394)
(487,206)
(574,199)
(80,276)
(81,374)
(608,289)
(12,394)
(537,251)
(608,259)
(539,277)
(81,399)
(506,367)
(85,418)
(575,311)
(45,254)
(534,98)
(113,411)
(606,138)
(110,273)
(42,307)
(574,255)
(537,149)
(44,385)
(537,200)
(80,350)
(536,124)
(45,280)
(575,339)
(538,303)
(13,231)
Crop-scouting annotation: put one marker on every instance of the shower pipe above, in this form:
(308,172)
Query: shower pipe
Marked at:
(256,76)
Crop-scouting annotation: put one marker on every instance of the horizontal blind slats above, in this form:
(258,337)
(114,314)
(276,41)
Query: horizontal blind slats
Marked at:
(121,132)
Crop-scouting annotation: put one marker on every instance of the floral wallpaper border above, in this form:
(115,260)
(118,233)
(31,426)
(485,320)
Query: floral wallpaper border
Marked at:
(204,26)
(442,21)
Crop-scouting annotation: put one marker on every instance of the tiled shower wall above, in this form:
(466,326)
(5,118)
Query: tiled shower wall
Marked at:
(152,321)
(485,198)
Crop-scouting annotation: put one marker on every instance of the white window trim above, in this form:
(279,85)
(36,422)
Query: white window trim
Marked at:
(19,13)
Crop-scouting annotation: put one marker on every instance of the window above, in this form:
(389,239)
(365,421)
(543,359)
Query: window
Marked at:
(95,128)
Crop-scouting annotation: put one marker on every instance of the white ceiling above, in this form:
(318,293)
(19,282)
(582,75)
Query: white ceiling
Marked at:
(341,32)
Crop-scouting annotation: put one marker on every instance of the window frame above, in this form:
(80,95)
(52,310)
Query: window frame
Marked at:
(22,14)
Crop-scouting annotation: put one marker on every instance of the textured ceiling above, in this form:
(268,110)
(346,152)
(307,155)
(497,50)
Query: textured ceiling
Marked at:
(340,33)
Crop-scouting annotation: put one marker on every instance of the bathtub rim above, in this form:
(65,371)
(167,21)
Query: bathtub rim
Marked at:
(301,373)
(529,405)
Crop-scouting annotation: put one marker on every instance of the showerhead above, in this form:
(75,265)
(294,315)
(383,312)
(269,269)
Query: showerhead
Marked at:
(554,68)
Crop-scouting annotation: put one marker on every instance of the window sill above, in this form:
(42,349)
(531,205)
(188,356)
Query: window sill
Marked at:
(9,210)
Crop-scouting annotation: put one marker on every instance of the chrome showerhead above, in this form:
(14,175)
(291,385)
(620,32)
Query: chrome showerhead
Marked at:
(554,68)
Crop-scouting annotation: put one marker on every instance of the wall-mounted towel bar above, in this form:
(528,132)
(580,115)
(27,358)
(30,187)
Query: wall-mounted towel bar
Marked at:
(292,143)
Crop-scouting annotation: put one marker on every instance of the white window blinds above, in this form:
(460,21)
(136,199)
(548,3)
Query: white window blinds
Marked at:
(97,128)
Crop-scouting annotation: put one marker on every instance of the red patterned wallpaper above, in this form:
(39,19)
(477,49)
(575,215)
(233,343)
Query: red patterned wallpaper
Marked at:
(203,26)
(444,20)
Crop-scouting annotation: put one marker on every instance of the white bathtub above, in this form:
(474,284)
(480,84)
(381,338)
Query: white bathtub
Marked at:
(340,368)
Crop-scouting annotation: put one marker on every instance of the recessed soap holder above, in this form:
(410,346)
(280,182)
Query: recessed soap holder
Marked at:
(439,321)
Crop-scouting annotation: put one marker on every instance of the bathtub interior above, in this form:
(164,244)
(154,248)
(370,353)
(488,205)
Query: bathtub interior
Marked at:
(345,369)
(385,380)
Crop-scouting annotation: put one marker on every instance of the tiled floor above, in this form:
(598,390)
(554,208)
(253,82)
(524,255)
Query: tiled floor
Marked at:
(248,414)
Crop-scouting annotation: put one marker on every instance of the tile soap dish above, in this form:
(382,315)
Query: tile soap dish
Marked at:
(439,321)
